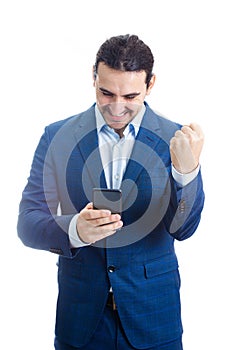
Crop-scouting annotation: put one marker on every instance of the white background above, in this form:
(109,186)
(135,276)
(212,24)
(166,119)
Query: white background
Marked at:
(48,48)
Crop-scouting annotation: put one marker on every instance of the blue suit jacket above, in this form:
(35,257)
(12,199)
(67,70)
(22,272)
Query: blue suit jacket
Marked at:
(144,274)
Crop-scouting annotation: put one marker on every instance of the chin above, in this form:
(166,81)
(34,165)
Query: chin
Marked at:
(117,126)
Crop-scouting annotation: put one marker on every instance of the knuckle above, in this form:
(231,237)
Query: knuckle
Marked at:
(99,221)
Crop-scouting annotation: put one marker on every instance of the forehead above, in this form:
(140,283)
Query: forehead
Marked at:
(118,81)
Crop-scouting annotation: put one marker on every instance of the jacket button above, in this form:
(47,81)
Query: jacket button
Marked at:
(111,268)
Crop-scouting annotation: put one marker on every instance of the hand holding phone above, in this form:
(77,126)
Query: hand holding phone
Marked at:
(94,225)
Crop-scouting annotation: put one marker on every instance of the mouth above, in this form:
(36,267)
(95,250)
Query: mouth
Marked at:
(119,116)
(117,113)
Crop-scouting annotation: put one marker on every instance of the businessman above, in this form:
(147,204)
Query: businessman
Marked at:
(118,274)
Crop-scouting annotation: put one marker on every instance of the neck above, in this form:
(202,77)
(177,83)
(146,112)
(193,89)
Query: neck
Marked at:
(120,132)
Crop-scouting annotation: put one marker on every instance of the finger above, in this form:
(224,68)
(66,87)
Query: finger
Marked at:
(178,134)
(89,206)
(91,214)
(187,130)
(98,214)
(180,137)
(197,128)
(111,227)
(105,231)
(192,129)
(106,221)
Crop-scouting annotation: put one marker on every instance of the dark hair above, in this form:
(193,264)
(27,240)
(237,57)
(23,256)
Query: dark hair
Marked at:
(126,53)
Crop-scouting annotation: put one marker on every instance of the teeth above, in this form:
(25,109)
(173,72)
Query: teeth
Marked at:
(120,114)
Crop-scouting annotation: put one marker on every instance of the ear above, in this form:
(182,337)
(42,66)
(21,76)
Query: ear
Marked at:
(94,75)
(151,84)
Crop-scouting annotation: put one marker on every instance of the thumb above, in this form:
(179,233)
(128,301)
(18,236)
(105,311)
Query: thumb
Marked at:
(89,206)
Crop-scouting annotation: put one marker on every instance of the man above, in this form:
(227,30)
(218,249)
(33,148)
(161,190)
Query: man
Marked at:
(117,273)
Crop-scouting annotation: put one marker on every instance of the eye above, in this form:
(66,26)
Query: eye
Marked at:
(105,93)
(130,97)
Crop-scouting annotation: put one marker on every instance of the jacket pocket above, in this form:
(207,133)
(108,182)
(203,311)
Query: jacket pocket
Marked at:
(164,264)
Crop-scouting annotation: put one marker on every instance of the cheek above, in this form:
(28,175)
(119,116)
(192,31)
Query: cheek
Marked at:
(100,98)
(137,104)
(135,108)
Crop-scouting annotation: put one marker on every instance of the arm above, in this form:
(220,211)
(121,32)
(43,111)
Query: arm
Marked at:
(185,208)
(187,199)
(38,225)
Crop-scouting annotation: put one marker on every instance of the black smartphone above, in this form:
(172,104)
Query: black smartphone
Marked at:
(111,199)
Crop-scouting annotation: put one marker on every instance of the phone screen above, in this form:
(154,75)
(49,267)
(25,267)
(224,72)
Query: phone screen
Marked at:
(111,199)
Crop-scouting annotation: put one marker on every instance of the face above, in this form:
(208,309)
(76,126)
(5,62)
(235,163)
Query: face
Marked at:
(120,95)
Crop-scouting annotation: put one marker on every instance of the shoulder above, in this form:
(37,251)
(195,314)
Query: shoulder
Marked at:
(160,119)
(159,124)
(69,123)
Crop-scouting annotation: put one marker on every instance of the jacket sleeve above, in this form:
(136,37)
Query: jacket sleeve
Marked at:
(39,226)
(186,205)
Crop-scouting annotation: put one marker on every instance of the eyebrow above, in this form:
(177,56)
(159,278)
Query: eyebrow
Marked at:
(127,95)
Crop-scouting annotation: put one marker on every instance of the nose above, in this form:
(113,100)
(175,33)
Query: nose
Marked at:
(117,108)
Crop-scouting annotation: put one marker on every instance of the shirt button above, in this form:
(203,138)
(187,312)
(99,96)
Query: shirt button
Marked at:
(111,268)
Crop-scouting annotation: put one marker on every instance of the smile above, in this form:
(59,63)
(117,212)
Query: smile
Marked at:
(118,116)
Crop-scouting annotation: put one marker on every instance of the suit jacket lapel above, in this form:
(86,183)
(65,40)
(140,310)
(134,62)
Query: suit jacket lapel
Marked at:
(87,143)
(148,138)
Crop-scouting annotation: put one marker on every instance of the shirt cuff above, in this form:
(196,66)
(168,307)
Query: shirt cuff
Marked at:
(184,179)
(75,241)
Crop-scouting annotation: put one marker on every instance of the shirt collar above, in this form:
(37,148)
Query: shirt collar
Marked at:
(136,122)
